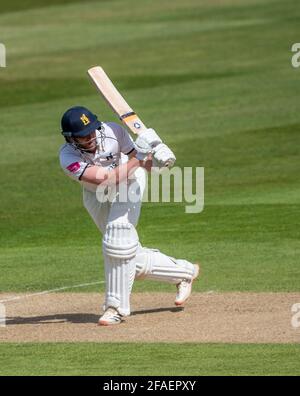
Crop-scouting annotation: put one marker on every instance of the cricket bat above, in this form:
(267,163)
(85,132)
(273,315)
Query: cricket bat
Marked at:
(115,100)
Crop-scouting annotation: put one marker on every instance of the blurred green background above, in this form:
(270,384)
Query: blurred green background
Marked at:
(215,79)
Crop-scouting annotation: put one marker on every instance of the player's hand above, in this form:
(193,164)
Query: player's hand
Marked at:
(163,156)
(148,163)
(146,142)
(150,137)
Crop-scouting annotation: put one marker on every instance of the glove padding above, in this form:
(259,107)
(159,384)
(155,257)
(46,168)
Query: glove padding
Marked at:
(146,142)
(163,156)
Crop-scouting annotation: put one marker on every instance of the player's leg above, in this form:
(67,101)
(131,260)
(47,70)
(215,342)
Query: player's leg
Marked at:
(98,211)
(154,265)
(120,244)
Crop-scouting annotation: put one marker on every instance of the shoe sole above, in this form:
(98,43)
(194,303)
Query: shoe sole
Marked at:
(100,323)
(198,270)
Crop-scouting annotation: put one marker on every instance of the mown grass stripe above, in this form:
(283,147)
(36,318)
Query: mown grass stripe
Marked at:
(151,359)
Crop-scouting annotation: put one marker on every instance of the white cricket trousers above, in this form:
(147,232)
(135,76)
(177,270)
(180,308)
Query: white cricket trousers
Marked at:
(117,222)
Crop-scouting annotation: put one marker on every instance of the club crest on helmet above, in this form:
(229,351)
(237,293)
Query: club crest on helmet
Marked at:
(85,120)
(79,122)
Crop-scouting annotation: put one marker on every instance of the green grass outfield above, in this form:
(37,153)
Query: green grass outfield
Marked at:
(149,359)
(215,80)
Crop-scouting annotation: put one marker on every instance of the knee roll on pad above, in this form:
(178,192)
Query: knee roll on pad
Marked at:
(120,241)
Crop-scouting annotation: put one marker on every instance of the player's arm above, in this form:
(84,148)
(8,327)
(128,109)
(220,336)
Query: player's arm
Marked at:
(147,164)
(148,147)
(98,175)
(132,154)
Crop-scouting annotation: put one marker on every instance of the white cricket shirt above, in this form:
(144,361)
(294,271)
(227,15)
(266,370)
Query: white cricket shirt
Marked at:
(112,149)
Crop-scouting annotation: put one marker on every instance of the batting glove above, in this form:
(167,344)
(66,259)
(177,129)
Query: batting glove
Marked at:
(146,142)
(163,156)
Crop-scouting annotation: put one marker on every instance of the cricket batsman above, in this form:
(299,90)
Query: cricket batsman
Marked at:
(102,157)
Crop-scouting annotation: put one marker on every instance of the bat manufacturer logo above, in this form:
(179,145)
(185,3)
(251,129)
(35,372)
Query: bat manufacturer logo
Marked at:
(85,120)
(137,125)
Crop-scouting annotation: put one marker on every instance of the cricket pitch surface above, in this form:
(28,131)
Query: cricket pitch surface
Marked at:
(206,317)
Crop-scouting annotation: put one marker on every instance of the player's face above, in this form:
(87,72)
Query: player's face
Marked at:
(88,143)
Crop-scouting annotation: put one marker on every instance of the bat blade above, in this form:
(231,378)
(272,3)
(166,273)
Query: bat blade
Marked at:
(115,100)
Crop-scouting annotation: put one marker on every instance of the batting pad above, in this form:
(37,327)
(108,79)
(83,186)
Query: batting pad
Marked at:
(120,244)
(152,264)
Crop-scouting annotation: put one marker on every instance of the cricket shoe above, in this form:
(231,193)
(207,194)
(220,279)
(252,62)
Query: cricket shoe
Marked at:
(110,317)
(184,288)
